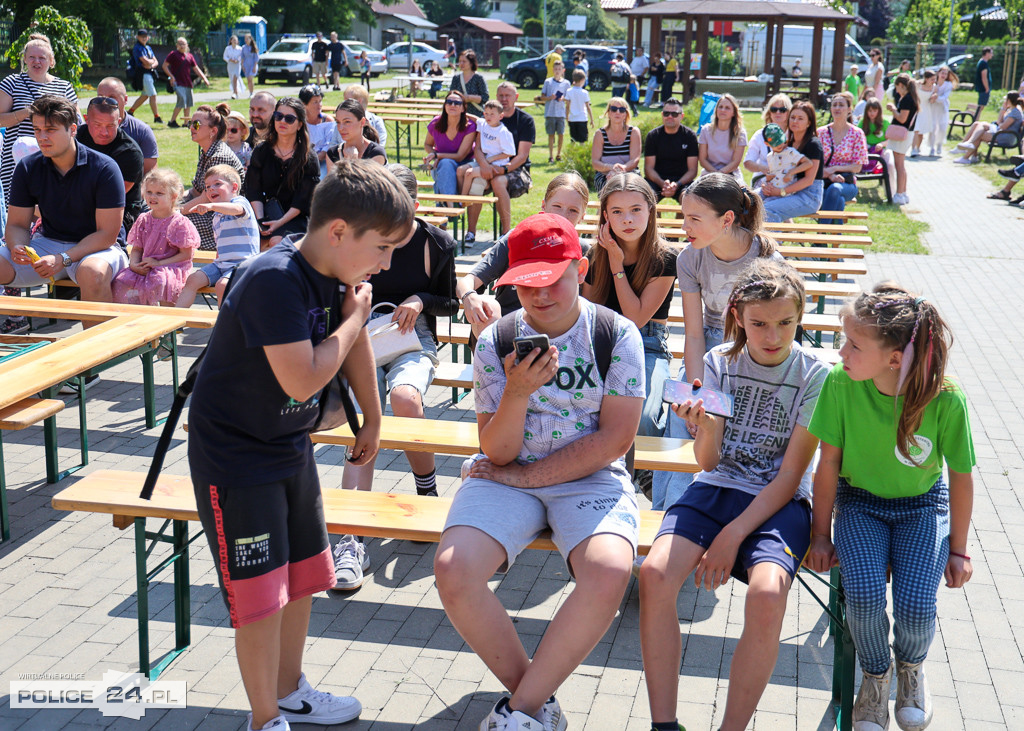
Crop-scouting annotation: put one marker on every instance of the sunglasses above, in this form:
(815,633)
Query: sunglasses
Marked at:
(103,101)
(671,114)
(288,118)
(235,129)
(777,110)
(454,102)
(194,124)
(621,110)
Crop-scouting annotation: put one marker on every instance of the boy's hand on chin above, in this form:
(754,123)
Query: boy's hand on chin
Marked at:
(357,301)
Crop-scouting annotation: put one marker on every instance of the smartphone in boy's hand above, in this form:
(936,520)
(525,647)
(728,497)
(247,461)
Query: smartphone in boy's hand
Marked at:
(525,345)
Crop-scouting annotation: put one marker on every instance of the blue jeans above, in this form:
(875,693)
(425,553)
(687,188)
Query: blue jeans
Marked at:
(656,361)
(446,181)
(652,92)
(909,534)
(668,487)
(835,198)
(802,203)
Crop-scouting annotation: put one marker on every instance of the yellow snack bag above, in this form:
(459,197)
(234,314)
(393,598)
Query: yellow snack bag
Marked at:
(31,254)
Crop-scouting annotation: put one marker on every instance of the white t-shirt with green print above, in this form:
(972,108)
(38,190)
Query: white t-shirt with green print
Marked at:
(568,407)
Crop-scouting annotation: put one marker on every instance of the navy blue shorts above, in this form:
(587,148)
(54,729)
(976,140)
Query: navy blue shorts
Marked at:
(703,510)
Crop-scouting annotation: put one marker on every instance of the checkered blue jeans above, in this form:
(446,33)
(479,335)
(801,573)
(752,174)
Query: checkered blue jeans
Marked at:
(909,534)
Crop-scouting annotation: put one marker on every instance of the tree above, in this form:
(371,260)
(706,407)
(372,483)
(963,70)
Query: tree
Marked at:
(199,15)
(878,13)
(324,15)
(441,11)
(925,21)
(69,37)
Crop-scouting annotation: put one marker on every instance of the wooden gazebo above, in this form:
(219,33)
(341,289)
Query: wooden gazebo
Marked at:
(698,15)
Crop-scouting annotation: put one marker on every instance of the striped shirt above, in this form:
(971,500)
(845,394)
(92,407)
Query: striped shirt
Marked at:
(620,149)
(23,91)
(238,237)
(218,154)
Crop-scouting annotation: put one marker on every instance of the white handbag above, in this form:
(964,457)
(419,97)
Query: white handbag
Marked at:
(387,340)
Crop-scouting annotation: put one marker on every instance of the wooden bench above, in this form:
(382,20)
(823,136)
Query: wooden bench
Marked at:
(963,118)
(378,515)
(16,417)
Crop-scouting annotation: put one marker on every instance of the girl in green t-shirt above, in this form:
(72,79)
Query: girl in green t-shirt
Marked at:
(887,419)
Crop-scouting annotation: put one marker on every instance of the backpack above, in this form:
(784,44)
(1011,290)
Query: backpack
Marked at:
(132,72)
(603,337)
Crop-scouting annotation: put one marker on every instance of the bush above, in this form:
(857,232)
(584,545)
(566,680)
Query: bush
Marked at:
(69,37)
(533,27)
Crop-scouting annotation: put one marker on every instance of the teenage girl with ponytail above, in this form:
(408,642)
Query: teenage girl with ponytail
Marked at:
(724,223)
(887,419)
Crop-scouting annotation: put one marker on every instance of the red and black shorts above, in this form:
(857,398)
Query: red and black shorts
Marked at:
(269,542)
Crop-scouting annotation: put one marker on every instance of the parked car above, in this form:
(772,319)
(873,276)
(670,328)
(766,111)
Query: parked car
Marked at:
(378,61)
(398,55)
(529,73)
(955,63)
(289,59)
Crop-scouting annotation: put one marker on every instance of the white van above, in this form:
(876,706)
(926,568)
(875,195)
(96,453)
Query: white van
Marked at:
(797,43)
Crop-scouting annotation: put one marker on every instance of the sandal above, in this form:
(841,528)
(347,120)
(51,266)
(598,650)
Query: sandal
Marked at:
(999,195)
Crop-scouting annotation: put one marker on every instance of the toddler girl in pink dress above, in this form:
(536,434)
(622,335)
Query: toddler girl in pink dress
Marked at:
(162,243)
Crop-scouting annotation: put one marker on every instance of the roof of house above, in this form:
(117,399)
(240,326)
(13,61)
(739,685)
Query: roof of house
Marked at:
(617,5)
(402,7)
(413,20)
(488,25)
(738,10)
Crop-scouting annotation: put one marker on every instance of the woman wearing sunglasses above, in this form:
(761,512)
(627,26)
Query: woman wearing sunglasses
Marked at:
(776,112)
(449,144)
(282,173)
(208,127)
(617,145)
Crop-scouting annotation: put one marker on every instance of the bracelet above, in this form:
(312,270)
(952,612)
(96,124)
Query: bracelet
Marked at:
(964,556)
(463,297)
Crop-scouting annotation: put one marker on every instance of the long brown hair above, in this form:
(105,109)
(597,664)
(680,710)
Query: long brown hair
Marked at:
(295,166)
(441,122)
(724,193)
(872,128)
(762,280)
(651,249)
(812,125)
(903,321)
(735,124)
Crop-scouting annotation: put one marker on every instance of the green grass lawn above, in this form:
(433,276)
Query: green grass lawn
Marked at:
(890,229)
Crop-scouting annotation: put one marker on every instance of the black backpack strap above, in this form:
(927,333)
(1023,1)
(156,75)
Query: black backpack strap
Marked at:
(504,336)
(604,339)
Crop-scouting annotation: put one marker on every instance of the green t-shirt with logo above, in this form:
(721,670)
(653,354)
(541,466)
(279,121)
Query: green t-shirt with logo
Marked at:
(857,418)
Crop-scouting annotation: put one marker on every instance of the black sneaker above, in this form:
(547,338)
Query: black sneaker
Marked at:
(644,480)
(173,125)
(157,120)
(14,326)
(1010,174)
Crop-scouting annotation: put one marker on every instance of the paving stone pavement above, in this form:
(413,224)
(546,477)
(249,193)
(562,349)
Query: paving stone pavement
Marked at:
(67,584)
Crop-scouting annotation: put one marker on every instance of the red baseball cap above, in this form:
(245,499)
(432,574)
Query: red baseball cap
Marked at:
(540,249)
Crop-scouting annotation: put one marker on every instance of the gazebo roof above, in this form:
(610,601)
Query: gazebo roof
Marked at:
(739,10)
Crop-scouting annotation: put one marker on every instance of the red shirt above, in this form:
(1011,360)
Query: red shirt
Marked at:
(181,67)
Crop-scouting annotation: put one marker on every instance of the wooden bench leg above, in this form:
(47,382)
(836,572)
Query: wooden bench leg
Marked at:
(5,519)
(53,472)
(180,542)
(844,655)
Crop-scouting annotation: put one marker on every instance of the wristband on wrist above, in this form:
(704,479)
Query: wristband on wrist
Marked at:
(463,297)
(964,556)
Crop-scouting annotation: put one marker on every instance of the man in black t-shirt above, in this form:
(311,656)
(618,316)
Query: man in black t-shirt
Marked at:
(983,77)
(319,51)
(511,180)
(339,59)
(670,153)
(102,132)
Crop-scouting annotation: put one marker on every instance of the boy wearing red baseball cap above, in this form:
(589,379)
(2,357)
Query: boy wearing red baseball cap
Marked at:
(553,432)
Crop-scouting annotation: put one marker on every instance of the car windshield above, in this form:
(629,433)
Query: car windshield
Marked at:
(290,46)
(360,47)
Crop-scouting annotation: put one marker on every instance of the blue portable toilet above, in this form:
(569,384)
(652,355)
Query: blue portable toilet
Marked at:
(707,108)
(254,25)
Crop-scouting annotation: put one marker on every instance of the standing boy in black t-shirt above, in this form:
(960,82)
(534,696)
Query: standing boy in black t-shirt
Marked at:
(319,51)
(279,340)
(670,153)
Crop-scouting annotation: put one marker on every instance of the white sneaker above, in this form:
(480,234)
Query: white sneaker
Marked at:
(502,718)
(915,152)
(350,561)
(552,716)
(964,146)
(871,710)
(274,724)
(913,701)
(308,705)
(900,199)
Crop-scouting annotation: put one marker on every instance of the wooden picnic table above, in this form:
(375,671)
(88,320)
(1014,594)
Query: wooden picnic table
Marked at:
(100,311)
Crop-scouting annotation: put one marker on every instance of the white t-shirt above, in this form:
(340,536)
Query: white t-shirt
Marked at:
(578,98)
(639,65)
(757,150)
(496,140)
(233,58)
(780,163)
(569,407)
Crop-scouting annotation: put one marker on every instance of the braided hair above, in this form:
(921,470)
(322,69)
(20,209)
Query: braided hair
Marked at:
(762,280)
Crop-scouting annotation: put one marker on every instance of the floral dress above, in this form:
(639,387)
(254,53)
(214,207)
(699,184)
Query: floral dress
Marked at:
(160,238)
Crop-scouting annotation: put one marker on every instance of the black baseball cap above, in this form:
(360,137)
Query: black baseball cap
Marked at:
(142,32)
